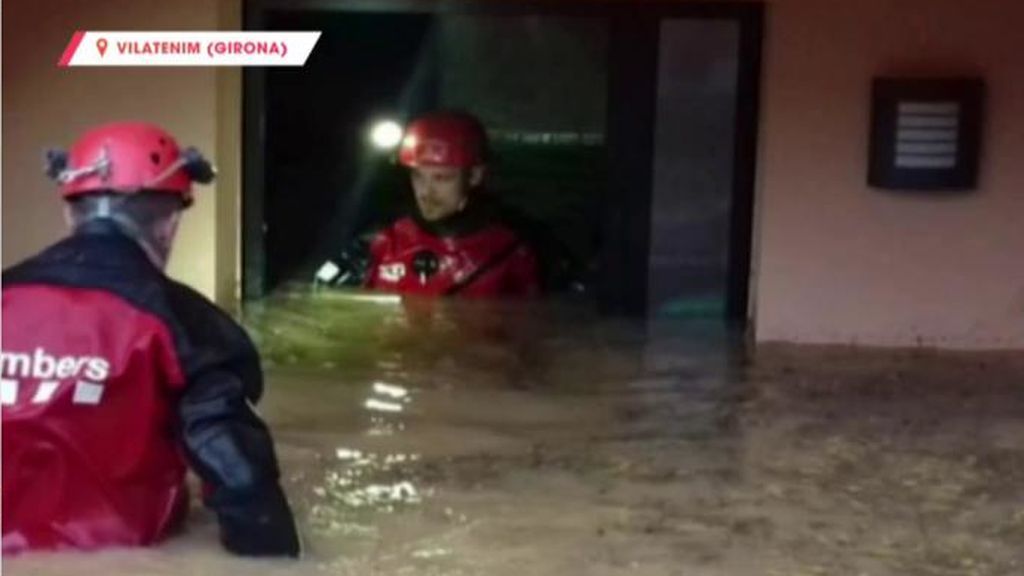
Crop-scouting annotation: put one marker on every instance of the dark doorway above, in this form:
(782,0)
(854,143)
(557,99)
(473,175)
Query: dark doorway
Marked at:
(627,131)
(316,171)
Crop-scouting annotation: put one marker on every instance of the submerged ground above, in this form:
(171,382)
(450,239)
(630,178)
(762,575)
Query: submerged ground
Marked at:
(484,440)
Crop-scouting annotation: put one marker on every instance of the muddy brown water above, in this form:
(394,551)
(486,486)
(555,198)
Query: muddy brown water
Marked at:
(518,440)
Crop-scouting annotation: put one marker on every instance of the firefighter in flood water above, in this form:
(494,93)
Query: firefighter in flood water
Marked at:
(116,377)
(455,243)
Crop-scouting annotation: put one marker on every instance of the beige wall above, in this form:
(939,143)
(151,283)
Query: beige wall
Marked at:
(47,106)
(835,262)
(842,263)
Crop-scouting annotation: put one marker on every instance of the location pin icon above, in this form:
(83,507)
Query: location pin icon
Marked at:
(101,45)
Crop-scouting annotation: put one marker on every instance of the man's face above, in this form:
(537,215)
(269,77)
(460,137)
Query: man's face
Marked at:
(442,191)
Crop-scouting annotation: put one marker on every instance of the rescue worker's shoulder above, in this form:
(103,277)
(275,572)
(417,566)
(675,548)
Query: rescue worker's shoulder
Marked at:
(397,233)
(501,234)
(35,266)
(204,337)
(405,227)
(198,316)
(12,275)
(209,338)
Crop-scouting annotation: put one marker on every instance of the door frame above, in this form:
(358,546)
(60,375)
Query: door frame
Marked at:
(633,50)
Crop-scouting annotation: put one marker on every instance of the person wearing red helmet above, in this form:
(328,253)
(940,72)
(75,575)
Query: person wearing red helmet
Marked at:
(115,378)
(455,243)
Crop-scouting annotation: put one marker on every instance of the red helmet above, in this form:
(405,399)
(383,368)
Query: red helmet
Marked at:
(128,157)
(452,139)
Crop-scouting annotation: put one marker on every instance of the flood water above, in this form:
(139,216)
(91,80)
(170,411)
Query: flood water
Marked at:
(539,440)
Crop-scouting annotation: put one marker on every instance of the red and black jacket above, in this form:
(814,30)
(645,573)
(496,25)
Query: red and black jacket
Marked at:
(114,378)
(470,254)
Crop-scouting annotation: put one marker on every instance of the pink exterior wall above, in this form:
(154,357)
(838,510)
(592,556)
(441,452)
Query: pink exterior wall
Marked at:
(838,262)
(44,105)
(835,262)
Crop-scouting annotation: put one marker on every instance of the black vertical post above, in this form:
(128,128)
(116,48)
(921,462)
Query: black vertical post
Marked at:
(744,164)
(632,84)
(253,163)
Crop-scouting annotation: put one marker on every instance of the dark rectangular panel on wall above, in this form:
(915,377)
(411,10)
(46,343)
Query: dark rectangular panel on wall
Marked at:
(925,133)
